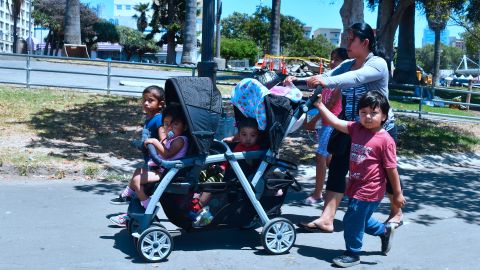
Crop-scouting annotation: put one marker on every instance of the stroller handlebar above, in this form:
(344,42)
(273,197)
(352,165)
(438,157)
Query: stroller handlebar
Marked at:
(309,103)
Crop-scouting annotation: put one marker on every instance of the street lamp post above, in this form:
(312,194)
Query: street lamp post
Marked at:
(30,41)
(207,67)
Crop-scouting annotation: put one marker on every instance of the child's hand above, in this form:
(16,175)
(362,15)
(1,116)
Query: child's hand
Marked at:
(228,139)
(149,141)
(398,200)
(318,102)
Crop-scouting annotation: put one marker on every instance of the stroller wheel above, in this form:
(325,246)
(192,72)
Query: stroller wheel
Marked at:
(155,244)
(278,236)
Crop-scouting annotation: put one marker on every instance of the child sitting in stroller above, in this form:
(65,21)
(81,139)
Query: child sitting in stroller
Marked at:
(247,136)
(172,145)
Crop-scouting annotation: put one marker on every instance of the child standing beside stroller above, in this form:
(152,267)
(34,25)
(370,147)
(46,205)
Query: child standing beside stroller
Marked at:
(332,98)
(247,136)
(171,146)
(372,162)
(153,102)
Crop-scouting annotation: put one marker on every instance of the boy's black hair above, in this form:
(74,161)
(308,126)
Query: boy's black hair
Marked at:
(175,111)
(341,53)
(374,99)
(157,92)
(247,123)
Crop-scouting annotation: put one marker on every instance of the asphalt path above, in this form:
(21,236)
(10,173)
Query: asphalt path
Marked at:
(78,80)
(63,224)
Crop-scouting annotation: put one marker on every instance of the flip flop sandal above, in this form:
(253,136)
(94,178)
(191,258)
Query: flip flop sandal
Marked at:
(304,226)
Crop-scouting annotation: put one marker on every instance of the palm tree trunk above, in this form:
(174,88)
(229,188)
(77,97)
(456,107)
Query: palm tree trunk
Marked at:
(436,57)
(15,34)
(170,34)
(351,12)
(217,28)
(275,28)
(72,22)
(47,42)
(405,70)
(189,32)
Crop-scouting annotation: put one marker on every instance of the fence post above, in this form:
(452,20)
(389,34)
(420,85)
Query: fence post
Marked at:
(193,71)
(420,104)
(109,72)
(469,95)
(28,72)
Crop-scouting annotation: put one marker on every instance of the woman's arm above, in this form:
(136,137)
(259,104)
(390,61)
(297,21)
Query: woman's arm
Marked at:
(373,70)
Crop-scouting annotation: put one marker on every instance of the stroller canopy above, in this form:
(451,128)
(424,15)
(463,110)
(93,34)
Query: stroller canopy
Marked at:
(202,105)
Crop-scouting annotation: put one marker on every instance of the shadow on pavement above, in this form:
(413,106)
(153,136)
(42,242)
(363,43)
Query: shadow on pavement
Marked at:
(455,190)
(101,188)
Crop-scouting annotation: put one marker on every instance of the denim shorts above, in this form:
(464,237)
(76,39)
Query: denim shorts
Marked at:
(323,137)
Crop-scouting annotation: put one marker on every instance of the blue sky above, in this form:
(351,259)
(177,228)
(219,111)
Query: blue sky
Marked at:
(315,13)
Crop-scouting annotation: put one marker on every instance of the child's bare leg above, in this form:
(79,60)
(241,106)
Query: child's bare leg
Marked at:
(140,177)
(321,169)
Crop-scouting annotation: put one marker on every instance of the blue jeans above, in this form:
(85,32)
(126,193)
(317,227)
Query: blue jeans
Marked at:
(357,221)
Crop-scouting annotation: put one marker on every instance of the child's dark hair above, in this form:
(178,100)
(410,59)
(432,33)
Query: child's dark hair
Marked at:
(340,53)
(157,92)
(175,111)
(374,99)
(247,123)
(364,31)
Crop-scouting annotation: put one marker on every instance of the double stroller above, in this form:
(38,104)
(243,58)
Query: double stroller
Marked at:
(242,197)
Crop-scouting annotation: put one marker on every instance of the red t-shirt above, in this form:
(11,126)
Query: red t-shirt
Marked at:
(370,154)
(337,107)
(240,148)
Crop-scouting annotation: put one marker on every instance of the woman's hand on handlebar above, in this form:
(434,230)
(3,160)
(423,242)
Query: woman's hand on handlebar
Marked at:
(315,81)
(289,80)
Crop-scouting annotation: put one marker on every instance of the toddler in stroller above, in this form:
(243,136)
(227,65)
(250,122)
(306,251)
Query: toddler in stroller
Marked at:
(240,199)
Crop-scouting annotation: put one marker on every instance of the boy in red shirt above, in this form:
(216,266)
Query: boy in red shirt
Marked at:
(373,160)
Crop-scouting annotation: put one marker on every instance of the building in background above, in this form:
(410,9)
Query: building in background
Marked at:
(456,42)
(307,32)
(331,34)
(429,37)
(6,26)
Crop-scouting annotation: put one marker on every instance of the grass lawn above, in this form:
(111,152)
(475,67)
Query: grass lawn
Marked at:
(58,133)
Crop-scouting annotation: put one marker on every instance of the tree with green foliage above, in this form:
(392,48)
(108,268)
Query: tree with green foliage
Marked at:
(238,49)
(257,28)
(319,46)
(141,17)
(449,58)
(233,26)
(168,15)
(133,42)
(472,41)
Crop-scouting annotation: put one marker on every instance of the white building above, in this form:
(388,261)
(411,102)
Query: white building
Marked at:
(331,34)
(6,25)
(123,12)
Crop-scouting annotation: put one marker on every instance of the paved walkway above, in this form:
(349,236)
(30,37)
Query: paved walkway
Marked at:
(63,225)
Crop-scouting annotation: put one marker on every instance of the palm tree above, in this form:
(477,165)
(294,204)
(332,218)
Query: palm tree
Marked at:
(15,12)
(189,32)
(72,22)
(141,8)
(275,28)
